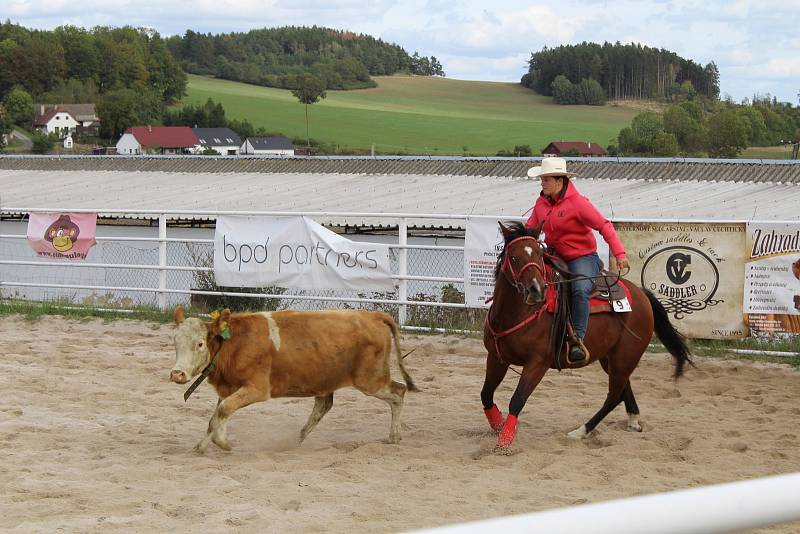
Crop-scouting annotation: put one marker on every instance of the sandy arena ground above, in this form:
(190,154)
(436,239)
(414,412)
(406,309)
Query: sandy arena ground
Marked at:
(94,438)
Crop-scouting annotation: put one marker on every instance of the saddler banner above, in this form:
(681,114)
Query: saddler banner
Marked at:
(695,271)
(772,278)
(295,252)
(62,236)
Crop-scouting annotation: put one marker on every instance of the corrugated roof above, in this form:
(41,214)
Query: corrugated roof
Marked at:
(608,168)
(197,189)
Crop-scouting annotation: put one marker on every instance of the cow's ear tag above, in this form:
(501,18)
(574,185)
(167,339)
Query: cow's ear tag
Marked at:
(226,333)
(215,315)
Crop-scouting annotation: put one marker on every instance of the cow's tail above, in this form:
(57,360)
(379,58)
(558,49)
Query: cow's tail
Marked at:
(390,322)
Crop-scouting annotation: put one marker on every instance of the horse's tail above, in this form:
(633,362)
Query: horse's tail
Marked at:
(674,341)
(390,322)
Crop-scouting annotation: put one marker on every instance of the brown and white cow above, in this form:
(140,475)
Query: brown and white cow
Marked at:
(290,354)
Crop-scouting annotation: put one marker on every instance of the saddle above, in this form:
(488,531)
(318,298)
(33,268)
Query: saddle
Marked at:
(606,295)
(606,289)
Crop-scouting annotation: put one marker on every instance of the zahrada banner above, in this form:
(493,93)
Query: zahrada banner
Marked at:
(772,278)
(695,271)
(295,252)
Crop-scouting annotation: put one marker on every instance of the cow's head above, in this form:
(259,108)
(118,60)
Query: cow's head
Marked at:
(192,339)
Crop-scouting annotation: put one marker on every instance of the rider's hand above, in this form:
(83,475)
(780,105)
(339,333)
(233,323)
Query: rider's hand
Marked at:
(622,263)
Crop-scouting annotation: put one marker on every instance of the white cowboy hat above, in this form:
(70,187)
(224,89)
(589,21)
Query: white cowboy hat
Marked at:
(551,167)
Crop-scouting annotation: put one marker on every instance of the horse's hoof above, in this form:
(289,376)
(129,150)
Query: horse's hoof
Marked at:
(578,433)
(508,433)
(631,428)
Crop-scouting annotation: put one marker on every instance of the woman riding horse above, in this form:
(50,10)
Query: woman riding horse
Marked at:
(519,327)
(568,219)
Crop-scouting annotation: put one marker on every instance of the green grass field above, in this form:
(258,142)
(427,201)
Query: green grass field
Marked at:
(419,115)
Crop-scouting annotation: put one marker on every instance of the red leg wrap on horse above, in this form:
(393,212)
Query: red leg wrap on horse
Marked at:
(509,431)
(495,417)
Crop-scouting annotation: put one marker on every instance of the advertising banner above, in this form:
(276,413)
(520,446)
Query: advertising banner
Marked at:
(483,243)
(295,252)
(772,278)
(62,236)
(695,271)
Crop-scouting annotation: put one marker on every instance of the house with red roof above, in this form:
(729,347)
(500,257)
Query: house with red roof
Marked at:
(65,119)
(157,140)
(583,148)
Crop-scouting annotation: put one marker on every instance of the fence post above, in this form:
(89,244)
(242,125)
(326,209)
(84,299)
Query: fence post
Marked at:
(162,261)
(402,240)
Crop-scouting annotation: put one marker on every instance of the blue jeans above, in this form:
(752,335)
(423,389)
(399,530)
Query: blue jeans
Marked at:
(588,265)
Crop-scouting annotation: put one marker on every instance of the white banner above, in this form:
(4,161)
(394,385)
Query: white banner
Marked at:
(298,253)
(772,277)
(483,243)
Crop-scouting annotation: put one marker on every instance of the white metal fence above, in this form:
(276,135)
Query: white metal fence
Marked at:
(139,264)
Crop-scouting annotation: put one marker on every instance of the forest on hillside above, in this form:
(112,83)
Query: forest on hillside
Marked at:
(622,71)
(275,57)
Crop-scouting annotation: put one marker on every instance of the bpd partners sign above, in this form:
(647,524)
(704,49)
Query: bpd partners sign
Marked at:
(694,270)
(295,252)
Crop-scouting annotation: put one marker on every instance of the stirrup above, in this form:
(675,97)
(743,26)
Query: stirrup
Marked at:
(577,343)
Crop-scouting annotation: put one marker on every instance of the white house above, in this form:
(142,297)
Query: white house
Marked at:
(275,146)
(62,119)
(223,141)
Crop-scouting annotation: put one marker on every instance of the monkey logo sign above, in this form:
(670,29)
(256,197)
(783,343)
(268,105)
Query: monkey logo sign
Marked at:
(62,235)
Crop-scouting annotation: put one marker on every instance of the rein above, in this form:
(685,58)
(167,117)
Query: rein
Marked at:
(226,334)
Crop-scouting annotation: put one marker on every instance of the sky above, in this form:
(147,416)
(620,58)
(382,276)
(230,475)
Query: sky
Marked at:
(755,44)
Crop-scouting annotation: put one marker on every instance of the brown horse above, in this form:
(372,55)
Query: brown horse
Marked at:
(518,331)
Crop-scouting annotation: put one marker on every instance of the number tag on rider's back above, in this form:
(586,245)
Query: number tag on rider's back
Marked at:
(621,305)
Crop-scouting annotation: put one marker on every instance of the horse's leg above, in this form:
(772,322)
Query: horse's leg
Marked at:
(495,372)
(632,408)
(531,376)
(630,402)
(616,385)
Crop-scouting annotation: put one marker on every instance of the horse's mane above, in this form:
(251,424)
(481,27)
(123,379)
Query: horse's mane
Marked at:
(514,230)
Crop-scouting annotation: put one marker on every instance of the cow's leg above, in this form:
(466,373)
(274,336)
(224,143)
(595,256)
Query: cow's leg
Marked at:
(217,430)
(321,407)
(393,394)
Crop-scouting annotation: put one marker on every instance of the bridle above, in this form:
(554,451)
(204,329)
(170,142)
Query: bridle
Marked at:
(507,268)
(516,275)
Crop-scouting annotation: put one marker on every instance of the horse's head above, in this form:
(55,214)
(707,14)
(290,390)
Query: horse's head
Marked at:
(522,261)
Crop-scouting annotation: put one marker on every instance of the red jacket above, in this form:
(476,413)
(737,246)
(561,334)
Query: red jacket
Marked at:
(568,225)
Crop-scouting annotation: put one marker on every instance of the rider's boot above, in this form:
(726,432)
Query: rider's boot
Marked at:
(578,353)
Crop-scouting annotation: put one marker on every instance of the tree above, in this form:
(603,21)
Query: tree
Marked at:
(562,90)
(645,127)
(309,90)
(5,126)
(727,134)
(122,108)
(19,106)
(43,143)
(665,144)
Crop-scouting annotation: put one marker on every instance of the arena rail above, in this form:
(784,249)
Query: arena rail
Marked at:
(713,509)
(163,267)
